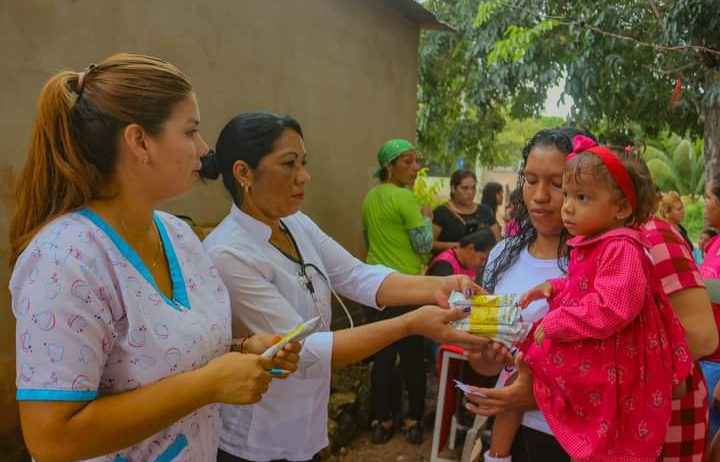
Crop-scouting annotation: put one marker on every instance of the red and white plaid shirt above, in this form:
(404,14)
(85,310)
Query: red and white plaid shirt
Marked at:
(686,439)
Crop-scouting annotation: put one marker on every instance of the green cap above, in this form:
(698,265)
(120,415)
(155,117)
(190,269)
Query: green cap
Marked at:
(390,151)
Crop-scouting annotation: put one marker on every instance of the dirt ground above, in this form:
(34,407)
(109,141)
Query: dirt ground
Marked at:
(398,449)
(395,450)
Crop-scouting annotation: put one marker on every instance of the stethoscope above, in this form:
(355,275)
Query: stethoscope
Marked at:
(305,280)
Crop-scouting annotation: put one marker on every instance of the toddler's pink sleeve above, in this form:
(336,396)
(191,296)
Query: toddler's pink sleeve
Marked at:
(607,304)
(558,286)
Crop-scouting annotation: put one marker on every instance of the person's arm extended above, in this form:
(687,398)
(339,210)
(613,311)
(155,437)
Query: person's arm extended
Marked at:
(401,289)
(490,360)
(693,309)
(353,345)
(64,431)
(610,303)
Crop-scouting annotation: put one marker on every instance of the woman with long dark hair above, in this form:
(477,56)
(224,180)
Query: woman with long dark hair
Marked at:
(535,253)
(539,252)
(492,196)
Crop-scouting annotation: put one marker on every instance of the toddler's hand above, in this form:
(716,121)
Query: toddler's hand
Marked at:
(543,290)
(539,335)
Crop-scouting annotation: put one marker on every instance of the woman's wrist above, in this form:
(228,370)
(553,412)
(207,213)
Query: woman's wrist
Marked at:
(408,324)
(203,380)
(240,345)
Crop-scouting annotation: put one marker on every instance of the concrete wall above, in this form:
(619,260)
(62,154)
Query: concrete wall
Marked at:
(345,68)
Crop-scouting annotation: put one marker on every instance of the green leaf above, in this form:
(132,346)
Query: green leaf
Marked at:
(485,11)
(652,152)
(682,160)
(662,174)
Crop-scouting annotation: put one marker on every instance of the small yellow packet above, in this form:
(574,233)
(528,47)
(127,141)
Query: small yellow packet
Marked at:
(494,314)
(485,300)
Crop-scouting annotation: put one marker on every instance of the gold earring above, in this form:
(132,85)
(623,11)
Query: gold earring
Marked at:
(145,160)
(246,187)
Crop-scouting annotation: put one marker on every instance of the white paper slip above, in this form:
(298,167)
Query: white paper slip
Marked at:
(465,388)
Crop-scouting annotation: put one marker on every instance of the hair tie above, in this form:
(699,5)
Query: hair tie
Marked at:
(80,82)
(81,78)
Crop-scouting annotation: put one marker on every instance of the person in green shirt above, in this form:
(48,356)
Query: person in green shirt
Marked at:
(398,233)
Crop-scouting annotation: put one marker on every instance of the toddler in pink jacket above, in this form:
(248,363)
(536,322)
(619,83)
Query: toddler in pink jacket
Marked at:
(608,354)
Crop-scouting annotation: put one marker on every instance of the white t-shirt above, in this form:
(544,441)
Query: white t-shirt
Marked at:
(91,322)
(523,275)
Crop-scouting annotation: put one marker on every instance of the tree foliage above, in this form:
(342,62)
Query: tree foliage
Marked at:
(676,164)
(509,143)
(654,62)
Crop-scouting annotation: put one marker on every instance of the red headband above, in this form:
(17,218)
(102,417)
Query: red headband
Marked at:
(612,162)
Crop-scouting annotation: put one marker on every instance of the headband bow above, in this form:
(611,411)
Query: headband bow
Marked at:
(582,143)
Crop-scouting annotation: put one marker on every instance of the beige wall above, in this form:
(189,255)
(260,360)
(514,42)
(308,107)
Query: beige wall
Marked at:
(345,68)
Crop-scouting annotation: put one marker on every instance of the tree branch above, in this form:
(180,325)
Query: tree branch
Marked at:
(655,46)
(597,30)
(679,70)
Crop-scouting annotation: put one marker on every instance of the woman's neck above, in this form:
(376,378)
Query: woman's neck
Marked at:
(469,207)
(460,255)
(394,181)
(545,247)
(132,216)
(249,207)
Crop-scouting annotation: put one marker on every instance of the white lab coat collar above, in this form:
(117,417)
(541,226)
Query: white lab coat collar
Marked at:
(255,228)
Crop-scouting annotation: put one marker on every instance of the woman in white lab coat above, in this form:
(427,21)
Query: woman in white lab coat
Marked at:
(281,269)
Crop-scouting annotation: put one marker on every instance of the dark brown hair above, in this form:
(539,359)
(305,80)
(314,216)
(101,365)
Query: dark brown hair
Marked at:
(587,163)
(248,137)
(561,139)
(73,149)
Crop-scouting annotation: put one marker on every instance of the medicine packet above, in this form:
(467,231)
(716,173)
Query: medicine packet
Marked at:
(497,317)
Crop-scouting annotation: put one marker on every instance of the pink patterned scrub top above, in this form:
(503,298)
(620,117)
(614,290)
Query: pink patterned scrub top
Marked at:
(613,351)
(91,322)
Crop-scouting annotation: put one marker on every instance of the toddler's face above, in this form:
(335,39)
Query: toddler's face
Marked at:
(590,207)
